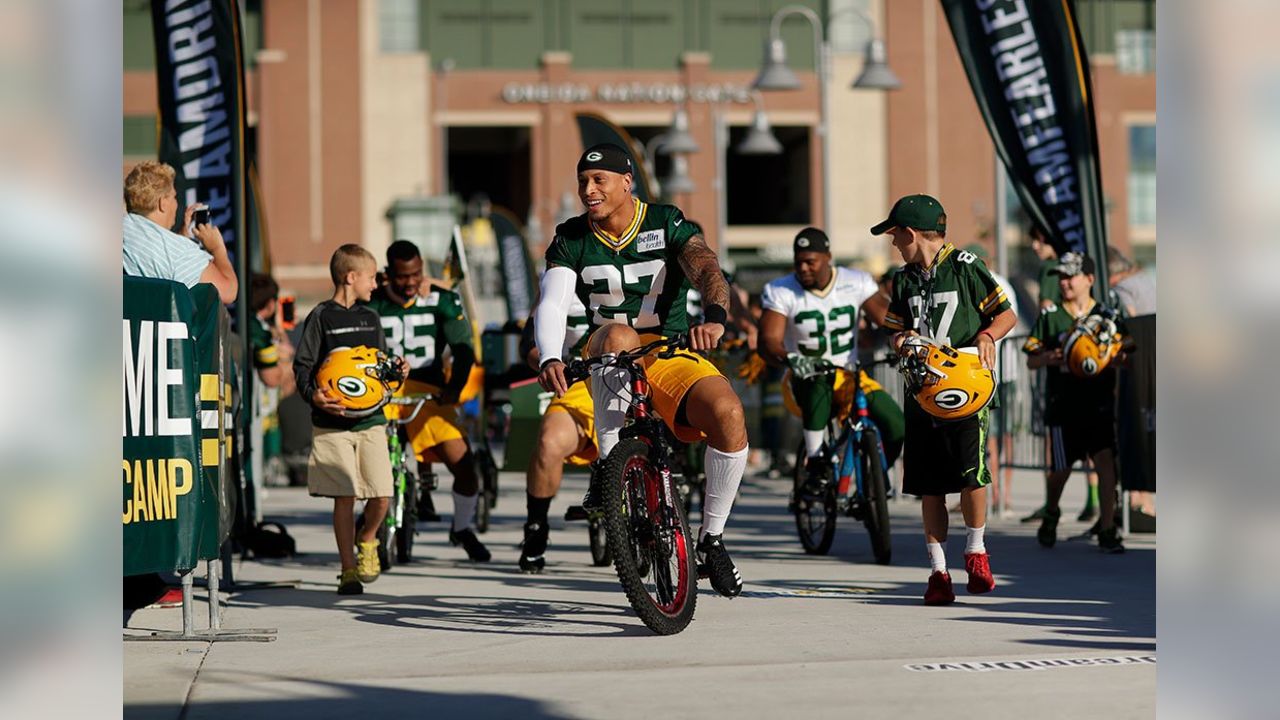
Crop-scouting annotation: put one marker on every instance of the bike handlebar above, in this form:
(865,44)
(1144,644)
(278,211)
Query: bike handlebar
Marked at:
(578,370)
(418,400)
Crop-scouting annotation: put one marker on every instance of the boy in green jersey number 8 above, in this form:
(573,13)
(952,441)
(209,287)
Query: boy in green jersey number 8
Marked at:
(949,296)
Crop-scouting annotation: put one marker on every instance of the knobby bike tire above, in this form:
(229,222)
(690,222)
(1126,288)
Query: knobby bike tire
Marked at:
(815,524)
(876,518)
(409,523)
(631,456)
(598,539)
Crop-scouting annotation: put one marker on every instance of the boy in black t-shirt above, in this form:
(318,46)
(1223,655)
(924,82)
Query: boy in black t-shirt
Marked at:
(349,458)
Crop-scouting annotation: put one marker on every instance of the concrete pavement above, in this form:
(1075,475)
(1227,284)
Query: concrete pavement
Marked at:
(833,636)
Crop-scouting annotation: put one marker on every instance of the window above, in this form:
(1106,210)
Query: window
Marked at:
(398,26)
(1142,175)
(770,189)
(1135,52)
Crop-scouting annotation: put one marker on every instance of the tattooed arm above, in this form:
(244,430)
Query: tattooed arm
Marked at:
(702,267)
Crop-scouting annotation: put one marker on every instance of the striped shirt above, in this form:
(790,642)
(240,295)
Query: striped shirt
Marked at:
(154,252)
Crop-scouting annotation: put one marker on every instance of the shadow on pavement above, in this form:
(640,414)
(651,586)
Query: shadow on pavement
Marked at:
(346,700)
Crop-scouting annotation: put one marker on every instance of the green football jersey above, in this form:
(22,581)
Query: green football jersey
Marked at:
(262,344)
(635,278)
(420,330)
(1069,398)
(949,303)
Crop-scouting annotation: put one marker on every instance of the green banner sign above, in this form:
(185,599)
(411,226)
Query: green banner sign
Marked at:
(176,433)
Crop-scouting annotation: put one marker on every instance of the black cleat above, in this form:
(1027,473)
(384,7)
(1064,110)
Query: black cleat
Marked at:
(591,504)
(533,548)
(466,537)
(1109,541)
(715,564)
(1047,535)
(818,473)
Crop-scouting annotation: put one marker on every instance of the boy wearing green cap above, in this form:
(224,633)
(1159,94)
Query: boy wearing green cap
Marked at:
(950,297)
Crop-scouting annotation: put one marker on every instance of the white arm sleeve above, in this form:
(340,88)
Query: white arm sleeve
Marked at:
(550,319)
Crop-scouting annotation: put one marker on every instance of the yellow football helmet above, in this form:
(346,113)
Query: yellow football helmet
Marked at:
(948,384)
(361,378)
(1091,345)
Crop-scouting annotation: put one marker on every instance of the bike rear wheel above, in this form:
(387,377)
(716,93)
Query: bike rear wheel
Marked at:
(815,516)
(876,487)
(649,539)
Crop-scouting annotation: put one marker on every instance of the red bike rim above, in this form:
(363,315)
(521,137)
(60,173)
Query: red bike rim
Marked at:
(639,468)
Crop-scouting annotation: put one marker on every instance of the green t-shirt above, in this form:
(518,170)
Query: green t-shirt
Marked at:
(1049,289)
(636,278)
(1067,397)
(420,330)
(262,344)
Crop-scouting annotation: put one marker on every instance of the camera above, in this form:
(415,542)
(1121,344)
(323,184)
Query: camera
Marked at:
(200,217)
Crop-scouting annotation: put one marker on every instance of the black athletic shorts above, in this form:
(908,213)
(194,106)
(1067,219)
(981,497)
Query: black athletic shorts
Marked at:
(1073,441)
(944,457)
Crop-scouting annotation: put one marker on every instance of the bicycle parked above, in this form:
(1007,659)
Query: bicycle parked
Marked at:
(854,480)
(644,519)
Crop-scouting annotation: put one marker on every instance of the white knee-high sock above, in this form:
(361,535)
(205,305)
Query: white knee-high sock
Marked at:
(937,557)
(724,474)
(813,442)
(610,398)
(974,539)
(464,510)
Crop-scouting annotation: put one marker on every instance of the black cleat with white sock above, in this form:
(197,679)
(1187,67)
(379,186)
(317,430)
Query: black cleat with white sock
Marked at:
(715,564)
(533,549)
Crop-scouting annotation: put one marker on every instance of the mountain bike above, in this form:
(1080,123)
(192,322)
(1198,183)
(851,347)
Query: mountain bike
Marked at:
(854,480)
(648,534)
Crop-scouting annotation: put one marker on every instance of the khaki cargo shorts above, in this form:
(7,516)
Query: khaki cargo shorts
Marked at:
(350,463)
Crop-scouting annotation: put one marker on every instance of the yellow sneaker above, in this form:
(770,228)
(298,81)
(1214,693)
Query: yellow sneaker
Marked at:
(367,564)
(349,583)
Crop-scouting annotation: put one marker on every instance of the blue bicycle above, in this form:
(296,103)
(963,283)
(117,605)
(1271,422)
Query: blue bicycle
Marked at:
(854,480)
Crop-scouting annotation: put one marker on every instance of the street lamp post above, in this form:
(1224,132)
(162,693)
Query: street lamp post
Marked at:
(776,75)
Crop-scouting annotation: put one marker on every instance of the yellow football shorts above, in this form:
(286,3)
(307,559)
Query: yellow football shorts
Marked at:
(577,405)
(433,425)
(843,392)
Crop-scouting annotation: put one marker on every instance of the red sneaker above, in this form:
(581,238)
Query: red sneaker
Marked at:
(978,565)
(939,591)
(170,599)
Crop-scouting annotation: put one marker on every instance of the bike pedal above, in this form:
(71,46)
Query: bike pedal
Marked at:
(576,512)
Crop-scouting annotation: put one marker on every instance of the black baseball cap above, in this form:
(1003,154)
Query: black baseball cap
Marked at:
(605,156)
(921,212)
(811,239)
(1074,264)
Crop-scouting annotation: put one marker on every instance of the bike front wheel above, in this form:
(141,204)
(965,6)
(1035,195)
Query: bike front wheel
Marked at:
(487,478)
(815,514)
(409,521)
(649,538)
(876,488)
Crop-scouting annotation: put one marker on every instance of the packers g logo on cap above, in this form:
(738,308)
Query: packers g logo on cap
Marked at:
(802,242)
(594,156)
